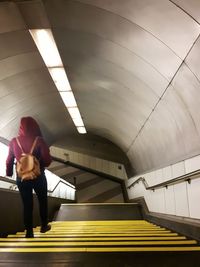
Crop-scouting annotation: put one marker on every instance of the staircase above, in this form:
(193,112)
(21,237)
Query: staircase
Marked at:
(91,186)
(105,243)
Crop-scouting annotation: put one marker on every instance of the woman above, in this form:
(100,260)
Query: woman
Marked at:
(29,132)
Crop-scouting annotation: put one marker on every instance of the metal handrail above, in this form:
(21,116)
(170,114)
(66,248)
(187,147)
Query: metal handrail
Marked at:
(11,181)
(183,178)
(7,180)
(60,182)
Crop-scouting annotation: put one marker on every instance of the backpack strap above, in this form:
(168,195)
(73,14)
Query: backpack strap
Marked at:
(19,145)
(32,148)
(33,145)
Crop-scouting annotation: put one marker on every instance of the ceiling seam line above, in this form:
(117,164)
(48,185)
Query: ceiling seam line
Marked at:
(105,10)
(18,54)
(15,31)
(125,48)
(22,72)
(163,94)
(198,79)
(185,11)
(187,110)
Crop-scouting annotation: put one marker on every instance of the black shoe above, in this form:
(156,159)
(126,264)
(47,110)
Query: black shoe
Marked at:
(29,233)
(45,228)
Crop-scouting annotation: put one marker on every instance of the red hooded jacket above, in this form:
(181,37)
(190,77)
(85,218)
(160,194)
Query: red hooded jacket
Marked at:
(28,131)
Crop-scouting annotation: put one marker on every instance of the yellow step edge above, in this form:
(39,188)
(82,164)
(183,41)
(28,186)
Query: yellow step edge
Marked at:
(99,204)
(110,249)
(102,221)
(102,231)
(100,243)
(117,222)
(108,222)
(125,233)
(106,234)
(143,249)
(107,230)
(90,238)
(109,227)
(101,224)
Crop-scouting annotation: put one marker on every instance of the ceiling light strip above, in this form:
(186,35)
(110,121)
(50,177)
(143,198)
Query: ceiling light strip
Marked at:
(46,45)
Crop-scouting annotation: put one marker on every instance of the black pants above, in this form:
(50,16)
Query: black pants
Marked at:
(26,190)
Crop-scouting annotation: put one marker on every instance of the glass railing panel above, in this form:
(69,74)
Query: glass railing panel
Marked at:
(57,187)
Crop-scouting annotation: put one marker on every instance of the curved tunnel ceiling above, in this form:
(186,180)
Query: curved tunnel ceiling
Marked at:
(133,65)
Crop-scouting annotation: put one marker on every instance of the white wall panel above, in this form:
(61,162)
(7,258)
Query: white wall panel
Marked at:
(135,193)
(167,173)
(140,189)
(181,199)
(150,178)
(94,163)
(194,198)
(99,164)
(178,169)
(152,201)
(159,176)
(192,164)
(160,200)
(130,193)
(170,200)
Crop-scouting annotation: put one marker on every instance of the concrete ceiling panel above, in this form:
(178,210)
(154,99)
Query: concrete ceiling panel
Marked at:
(191,7)
(95,51)
(124,60)
(10,18)
(15,43)
(26,88)
(193,59)
(162,19)
(116,29)
(187,87)
(20,63)
(172,131)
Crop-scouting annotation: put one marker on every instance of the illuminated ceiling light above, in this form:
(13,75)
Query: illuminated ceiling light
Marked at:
(60,79)
(74,112)
(47,47)
(78,122)
(81,130)
(68,99)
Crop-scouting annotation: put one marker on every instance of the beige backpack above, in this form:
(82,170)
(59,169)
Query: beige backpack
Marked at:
(28,166)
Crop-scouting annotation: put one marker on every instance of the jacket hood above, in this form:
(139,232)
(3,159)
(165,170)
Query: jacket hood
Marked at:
(29,126)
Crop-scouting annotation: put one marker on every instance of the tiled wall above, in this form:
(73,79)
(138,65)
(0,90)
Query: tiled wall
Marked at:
(101,165)
(89,187)
(181,199)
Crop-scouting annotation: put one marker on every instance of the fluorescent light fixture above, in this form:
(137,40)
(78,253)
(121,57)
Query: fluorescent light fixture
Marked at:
(60,79)
(74,112)
(78,122)
(81,130)
(68,99)
(47,47)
